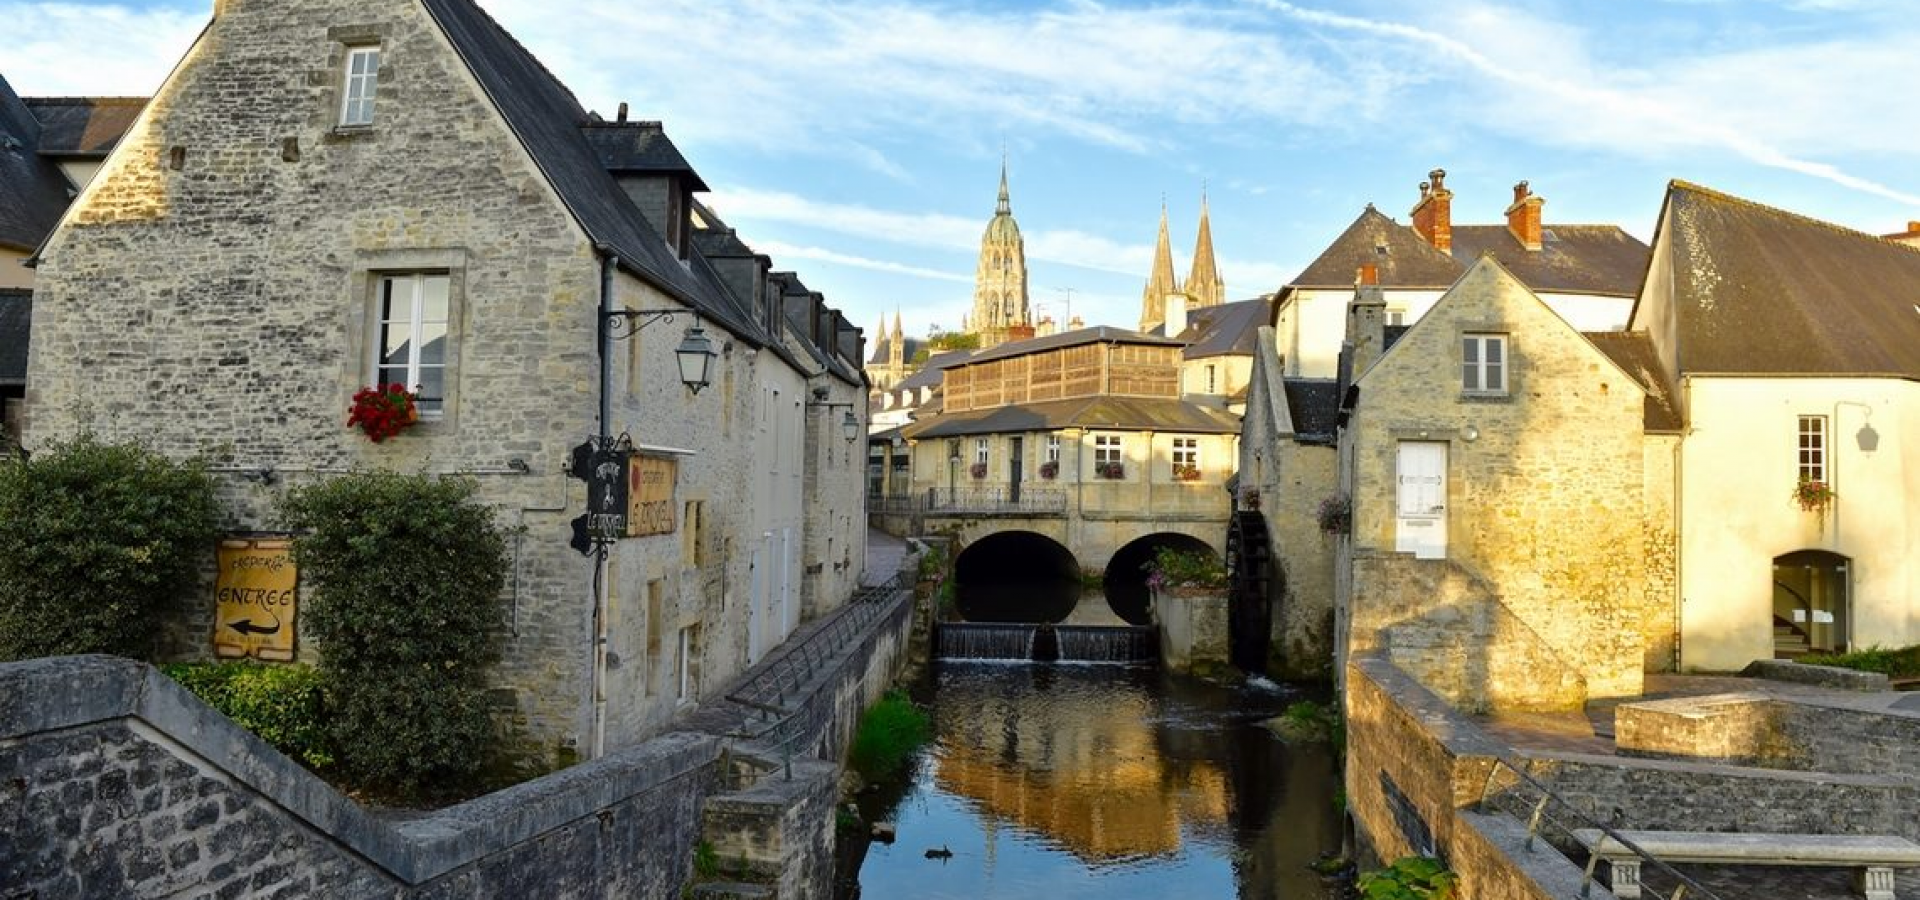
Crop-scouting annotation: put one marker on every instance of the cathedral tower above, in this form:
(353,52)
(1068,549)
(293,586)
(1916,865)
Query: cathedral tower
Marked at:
(1000,311)
(1160,284)
(1204,284)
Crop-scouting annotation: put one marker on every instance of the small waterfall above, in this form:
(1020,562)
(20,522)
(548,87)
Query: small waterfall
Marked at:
(1108,645)
(983,640)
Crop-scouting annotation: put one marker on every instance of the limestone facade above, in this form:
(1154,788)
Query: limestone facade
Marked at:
(213,292)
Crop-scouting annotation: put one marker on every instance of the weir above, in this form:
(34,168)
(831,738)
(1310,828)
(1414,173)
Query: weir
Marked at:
(1020,642)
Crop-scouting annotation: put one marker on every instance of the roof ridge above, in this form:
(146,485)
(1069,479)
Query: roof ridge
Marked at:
(1710,193)
(535,57)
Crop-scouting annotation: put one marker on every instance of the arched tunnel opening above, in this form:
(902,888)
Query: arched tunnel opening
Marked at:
(1126,577)
(1016,576)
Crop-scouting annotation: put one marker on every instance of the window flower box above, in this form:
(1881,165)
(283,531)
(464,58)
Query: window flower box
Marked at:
(382,411)
(978,471)
(1111,471)
(1049,470)
(1186,472)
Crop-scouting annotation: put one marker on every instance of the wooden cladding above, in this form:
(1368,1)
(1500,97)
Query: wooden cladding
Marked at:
(1087,370)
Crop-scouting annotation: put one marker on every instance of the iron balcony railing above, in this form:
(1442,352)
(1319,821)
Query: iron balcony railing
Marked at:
(1003,499)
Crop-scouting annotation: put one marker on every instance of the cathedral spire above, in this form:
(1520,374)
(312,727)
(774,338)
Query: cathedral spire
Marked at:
(1005,207)
(897,335)
(1153,300)
(1204,283)
(1000,308)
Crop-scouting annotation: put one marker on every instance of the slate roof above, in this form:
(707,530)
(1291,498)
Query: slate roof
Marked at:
(1314,406)
(16,320)
(1634,352)
(83,127)
(1100,334)
(638,147)
(1229,329)
(1104,413)
(1575,259)
(1758,290)
(33,193)
(1572,259)
(1403,257)
(548,119)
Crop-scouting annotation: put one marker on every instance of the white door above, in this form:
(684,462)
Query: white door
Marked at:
(1420,521)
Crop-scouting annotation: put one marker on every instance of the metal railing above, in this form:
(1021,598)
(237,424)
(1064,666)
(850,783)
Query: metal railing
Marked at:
(775,695)
(1553,818)
(1034,500)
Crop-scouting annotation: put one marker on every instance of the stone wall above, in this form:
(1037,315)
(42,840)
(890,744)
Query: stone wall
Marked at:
(1863,737)
(1303,611)
(1544,478)
(1193,628)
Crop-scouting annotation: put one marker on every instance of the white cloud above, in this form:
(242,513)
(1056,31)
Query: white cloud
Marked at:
(72,49)
(782,251)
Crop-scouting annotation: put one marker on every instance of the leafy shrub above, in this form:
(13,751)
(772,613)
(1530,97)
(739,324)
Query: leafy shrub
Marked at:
(282,704)
(888,735)
(1410,878)
(1903,662)
(407,574)
(1173,567)
(97,543)
(1334,515)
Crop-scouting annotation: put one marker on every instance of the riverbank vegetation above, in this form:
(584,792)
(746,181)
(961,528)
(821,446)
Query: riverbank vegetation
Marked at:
(888,736)
(1902,662)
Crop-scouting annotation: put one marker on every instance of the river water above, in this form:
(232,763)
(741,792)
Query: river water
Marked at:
(1062,781)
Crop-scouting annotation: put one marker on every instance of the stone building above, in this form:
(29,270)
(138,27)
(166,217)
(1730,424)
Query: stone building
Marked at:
(1588,274)
(1000,309)
(329,194)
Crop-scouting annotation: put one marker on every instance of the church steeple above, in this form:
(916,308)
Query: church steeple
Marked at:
(1000,310)
(1203,283)
(1153,300)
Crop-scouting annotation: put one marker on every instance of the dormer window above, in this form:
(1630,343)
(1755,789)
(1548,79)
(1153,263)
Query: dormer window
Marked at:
(362,78)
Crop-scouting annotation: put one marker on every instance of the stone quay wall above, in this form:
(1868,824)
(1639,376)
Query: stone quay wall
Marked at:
(116,782)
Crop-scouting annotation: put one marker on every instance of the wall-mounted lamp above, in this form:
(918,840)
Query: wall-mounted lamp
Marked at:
(1867,438)
(1470,434)
(695,353)
(849,423)
(519,466)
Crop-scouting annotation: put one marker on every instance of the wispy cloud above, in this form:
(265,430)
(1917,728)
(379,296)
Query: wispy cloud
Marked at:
(78,49)
(782,251)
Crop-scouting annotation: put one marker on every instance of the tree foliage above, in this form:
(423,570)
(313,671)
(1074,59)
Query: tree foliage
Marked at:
(406,574)
(98,541)
(283,704)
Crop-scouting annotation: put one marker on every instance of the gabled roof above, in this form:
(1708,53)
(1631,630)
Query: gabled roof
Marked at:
(1572,259)
(1225,330)
(1634,353)
(1403,258)
(1101,413)
(547,119)
(639,147)
(16,321)
(1101,334)
(33,193)
(1314,406)
(1758,290)
(83,127)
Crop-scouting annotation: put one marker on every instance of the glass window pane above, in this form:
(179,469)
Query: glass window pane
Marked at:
(1471,350)
(433,345)
(391,375)
(1496,348)
(434,298)
(395,348)
(1470,376)
(1496,377)
(433,383)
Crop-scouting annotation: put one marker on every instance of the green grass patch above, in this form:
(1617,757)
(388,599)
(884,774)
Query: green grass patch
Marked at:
(1410,878)
(1903,662)
(889,734)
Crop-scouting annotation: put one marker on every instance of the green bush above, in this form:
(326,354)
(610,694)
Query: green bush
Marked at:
(407,574)
(98,541)
(1903,662)
(283,704)
(1410,878)
(888,735)
(1173,567)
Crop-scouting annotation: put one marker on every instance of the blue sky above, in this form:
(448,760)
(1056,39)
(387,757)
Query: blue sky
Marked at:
(858,142)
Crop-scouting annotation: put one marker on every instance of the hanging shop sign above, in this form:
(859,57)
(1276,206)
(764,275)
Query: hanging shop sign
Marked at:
(651,509)
(255,599)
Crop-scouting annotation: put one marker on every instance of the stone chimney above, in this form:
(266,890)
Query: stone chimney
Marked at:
(1523,217)
(1366,327)
(1910,237)
(1433,215)
(1176,314)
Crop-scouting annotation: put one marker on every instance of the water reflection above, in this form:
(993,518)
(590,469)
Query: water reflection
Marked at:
(1103,781)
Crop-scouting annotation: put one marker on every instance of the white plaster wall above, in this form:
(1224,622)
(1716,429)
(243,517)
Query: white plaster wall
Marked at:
(12,273)
(1738,467)
(1591,312)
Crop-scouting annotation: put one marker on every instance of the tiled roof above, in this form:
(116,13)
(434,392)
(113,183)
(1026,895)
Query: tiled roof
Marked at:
(1403,258)
(1097,335)
(33,193)
(1226,330)
(1572,259)
(84,127)
(1634,352)
(1104,413)
(1758,290)
(1314,406)
(16,321)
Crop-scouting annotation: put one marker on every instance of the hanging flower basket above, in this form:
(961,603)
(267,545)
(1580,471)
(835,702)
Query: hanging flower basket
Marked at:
(978,471)
(1335,514)
(1111,471)
(1049,470)
(1186,473)
(383,411)
(1815,497)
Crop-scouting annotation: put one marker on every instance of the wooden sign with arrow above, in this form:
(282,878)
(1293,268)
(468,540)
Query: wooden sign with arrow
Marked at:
(255,595)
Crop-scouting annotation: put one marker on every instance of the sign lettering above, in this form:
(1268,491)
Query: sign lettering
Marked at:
(255,599)
(650,500)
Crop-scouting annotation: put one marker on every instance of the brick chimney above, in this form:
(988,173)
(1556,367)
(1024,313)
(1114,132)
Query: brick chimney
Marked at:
(1367,274)
(1523,217)
(1910,237)
(1433,215)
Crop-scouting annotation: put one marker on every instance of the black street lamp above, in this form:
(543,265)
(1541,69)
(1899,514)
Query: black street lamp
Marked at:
(695,353)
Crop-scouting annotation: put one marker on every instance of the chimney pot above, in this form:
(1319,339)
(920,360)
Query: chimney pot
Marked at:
(1438,177)
(1368,274)
(622,115)
(1520,192)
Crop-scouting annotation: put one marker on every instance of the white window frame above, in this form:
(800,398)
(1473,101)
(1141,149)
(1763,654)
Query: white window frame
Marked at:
(1479,375)
(1186,452)
(980,454)
(415,325)
(1053,449)
(1812,449)
(360,83)
(1107,448)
